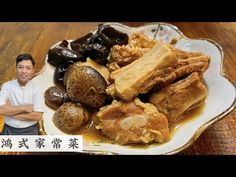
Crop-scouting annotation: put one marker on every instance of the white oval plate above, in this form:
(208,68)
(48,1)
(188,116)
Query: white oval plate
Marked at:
(220,100)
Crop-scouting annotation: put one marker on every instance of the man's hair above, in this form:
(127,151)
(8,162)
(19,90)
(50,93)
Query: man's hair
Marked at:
(25,56)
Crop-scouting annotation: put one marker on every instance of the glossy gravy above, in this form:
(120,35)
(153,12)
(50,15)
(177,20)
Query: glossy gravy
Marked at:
(91,134)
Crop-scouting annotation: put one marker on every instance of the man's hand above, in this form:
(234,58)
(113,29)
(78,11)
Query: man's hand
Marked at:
(30,116)
(8,110)
(28,108)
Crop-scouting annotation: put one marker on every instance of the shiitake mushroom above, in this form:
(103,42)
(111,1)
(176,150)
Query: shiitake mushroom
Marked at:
(87,86)
(95,46)
(70,117)
(55,96)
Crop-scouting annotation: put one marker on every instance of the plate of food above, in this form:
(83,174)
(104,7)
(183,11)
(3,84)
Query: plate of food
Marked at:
(134,90)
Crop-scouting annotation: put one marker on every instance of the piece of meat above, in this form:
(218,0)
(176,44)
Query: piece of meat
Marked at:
(111,90)
(181,69)
(124,55)
(177,98)
(140,40)
(187,63)
(201,62)
(113,66)
(181,54)
(140,76)
(138,45)
(133,122)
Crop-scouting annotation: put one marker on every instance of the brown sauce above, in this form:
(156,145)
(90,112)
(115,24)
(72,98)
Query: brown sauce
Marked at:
(91,134)
(188,116)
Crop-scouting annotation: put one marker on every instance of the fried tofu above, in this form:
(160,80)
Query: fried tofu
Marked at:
(140,76)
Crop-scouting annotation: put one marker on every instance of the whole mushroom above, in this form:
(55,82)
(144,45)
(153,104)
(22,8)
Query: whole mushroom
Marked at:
(87,86)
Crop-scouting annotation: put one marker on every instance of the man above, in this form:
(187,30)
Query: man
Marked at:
(21,100)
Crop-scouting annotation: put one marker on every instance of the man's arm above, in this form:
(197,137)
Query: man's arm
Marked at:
(22,112)
(13,110)
(30,116)
(9,110)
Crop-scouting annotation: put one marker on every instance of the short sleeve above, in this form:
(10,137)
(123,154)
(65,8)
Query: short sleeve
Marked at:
(4,95)
(38,100)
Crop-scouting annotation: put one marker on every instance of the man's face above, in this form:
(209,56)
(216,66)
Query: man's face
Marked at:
(24,71)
